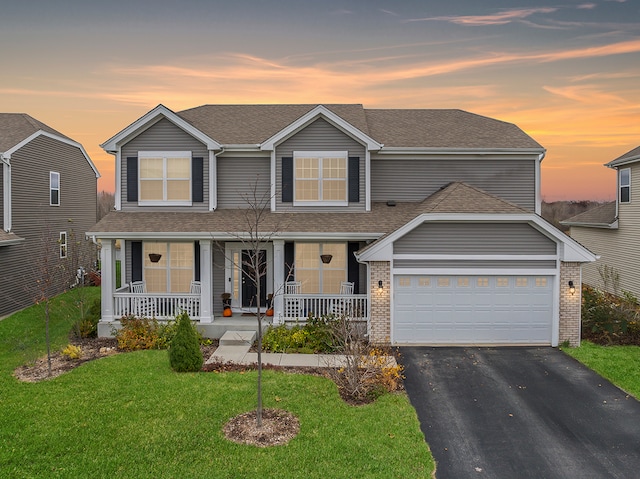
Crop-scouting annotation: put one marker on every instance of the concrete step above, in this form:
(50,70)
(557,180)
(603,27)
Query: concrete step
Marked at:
(237,338)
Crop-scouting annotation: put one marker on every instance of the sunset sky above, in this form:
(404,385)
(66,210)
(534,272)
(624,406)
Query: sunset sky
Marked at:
(567,72)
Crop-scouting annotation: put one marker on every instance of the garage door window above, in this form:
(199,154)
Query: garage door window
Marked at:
(502,282)
(463,282)
(443,282)
(483,282)
(541,282)
(521,282)
(404,281)
(424,282)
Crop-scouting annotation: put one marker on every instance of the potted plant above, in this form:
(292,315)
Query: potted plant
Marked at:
(226,304)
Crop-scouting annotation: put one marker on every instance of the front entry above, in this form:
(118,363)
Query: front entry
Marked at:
(249,288)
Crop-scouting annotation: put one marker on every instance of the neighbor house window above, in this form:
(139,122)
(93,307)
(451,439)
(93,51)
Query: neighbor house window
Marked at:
(625,185)
(54,188)
(320,177)
(316,276)
(62,244)
(165,177)
(173,272)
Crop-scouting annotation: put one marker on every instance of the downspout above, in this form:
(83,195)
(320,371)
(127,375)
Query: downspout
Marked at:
(6,199)
(538,198)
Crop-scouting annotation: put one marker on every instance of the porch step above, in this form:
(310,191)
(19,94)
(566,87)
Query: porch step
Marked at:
(237,338)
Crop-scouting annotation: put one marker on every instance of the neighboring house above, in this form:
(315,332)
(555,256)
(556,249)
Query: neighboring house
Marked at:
(48,201)
(431,216)
(612,231)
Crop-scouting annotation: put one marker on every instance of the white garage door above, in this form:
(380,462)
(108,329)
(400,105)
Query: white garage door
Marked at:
(472,309)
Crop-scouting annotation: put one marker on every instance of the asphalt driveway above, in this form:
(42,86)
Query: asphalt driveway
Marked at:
(521,413)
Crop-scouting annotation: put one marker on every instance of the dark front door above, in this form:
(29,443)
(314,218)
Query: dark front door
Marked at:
(249,288)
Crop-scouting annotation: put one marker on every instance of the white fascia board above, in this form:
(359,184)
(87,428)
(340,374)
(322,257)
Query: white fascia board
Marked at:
(321,111)
(602,226)
(12,241)
(625,161)
(231,236)
(572,250)
(7,154)
(396,150)
(152,117)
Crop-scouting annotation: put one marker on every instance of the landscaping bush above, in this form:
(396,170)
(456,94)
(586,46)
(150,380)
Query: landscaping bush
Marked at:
(184,351)
(87,327)
(610,319)
(138,333)
(314,337)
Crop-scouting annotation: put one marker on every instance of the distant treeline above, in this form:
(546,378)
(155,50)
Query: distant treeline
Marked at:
(557,211)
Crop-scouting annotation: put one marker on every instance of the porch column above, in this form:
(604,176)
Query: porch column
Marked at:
(278,281)
(206,279)
(108,280)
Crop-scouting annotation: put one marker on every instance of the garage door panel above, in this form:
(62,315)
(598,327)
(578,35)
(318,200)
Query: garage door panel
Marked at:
(473,309)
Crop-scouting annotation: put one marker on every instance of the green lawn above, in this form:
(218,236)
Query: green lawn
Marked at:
(130,415)
(618,364)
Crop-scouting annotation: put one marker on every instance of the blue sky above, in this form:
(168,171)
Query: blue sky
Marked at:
(566,72)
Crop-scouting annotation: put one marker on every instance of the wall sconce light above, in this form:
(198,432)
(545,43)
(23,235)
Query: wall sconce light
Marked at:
(572,288)
(326,258)
(379,286)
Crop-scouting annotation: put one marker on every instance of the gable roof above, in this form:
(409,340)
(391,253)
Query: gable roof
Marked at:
(603,216)
(255,125)
(629,157)
(17,127)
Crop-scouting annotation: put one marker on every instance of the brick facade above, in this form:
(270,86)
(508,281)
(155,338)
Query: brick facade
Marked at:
(380,316)
(570,305)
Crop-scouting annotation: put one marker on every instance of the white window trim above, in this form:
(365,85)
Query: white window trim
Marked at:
(63,246)
(51,188)
(164,155)
(320,155)
(620,186)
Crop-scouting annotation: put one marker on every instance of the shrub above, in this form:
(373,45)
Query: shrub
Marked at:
(609,319)
(313,337)
(137,333)
(72,352)
(184,352)
(87,327)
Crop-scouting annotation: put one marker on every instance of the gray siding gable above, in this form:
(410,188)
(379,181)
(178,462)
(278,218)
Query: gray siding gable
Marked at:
(163,136)
(475,238)
(320,135)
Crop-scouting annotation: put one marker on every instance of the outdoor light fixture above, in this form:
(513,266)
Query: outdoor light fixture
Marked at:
(572,288)
(326,258)
(379,286)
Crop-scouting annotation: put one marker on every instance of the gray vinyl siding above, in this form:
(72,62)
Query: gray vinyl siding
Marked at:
(617,248)
(218,278)
(1,195)
(475,264)
(474,238)
(164,136)
(236,180)
(417,178)
(40,224)
(320,136)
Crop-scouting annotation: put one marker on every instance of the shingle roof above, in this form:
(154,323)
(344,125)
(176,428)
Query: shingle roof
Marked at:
(629,156)
(382,219)
(15,127)
(253,124)
(9,238)
(603,215)
(444,129)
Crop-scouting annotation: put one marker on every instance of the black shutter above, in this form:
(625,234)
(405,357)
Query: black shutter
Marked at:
(136,261)
(196,260)
(353,267)
(289,273)
(197,180)
(354,179)
(287,179)
(132,178)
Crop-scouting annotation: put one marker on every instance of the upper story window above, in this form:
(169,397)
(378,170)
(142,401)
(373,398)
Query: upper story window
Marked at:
(625,185)
(164,178)
(320,178)
(54,188)
(62,244)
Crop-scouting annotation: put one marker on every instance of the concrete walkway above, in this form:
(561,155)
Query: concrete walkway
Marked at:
(234,348)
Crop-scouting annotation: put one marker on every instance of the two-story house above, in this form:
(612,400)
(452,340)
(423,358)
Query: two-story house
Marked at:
(611,231)
(424,222)
(48,200)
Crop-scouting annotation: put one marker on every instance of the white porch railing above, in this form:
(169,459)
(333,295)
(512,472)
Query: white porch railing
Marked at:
(300,306)
(155,305)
